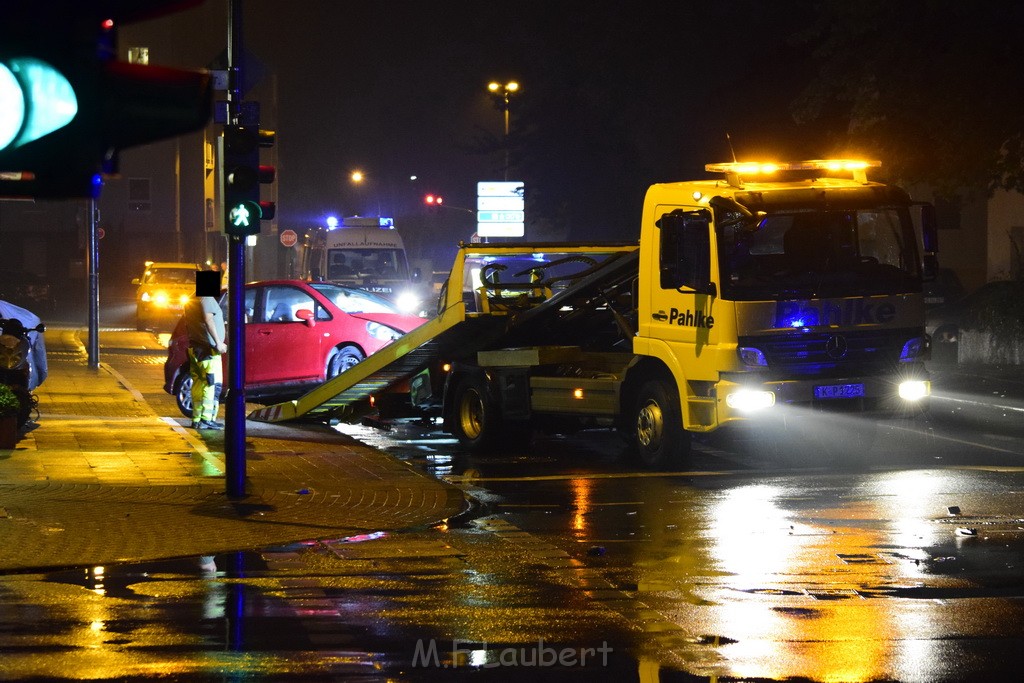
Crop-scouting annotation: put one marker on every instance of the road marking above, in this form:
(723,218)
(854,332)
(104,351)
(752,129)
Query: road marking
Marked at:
(977,403)
(198,446)
(954,440)
(472,478)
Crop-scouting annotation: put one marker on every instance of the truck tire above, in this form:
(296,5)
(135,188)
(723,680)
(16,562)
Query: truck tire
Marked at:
(475,422)
(658,435)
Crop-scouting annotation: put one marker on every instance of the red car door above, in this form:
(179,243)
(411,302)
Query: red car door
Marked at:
(279,346)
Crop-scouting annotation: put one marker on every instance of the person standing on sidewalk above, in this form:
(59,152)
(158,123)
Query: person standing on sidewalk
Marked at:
(207,340)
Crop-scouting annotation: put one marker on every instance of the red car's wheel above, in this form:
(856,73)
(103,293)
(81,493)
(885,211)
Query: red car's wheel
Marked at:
(342,360)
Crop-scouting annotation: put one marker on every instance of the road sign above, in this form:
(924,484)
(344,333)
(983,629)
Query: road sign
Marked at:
(501,208)
(288,238)
(501,216)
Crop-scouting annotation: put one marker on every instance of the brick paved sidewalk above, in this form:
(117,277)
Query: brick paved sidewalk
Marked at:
(102,478)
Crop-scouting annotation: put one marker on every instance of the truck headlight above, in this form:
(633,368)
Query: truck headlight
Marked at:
(750,400)
(915,389)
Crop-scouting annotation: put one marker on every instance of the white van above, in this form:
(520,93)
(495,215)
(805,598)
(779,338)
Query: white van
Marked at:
(367,253)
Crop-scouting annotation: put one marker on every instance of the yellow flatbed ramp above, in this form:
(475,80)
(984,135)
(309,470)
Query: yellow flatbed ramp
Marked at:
(400,360)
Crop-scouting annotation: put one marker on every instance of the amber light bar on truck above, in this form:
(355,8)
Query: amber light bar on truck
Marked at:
(735,169)
(769,167)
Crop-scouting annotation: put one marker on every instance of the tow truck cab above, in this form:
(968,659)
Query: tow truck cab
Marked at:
(795,289)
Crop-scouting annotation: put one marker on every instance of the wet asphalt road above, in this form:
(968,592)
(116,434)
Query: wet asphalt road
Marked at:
(896,557)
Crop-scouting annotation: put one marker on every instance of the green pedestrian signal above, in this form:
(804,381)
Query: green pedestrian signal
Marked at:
(243,176)
(244,216)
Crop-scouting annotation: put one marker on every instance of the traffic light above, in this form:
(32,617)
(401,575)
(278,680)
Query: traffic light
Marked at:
(68,106)
(433,202)
(243,176)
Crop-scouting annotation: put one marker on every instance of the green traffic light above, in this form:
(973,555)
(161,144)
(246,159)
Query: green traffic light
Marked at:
(37,100)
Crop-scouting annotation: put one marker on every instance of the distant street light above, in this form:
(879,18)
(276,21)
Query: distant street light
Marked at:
(357,176)
(504,91)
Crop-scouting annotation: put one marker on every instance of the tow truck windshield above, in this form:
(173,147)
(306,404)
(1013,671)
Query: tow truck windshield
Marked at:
(811,253)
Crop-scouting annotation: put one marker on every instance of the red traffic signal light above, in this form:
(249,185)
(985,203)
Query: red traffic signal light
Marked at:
(433,201)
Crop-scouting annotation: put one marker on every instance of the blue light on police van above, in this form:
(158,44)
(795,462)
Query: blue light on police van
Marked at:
(912,350)
(752,356)
(387,223)
(750,400)
(915,390)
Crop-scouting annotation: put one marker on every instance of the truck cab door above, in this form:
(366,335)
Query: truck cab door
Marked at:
(684,293)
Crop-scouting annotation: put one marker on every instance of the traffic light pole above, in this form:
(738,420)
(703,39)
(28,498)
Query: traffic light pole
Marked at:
(234,403)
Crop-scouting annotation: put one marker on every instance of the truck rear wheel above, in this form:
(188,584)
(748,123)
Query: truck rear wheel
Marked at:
(658,435)
(476,423)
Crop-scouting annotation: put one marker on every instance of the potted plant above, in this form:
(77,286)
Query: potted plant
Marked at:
(10,405)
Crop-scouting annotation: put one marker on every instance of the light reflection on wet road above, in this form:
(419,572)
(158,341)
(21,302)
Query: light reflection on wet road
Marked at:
(756,563)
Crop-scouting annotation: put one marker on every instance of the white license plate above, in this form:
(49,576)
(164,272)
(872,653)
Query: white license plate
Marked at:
(839,391)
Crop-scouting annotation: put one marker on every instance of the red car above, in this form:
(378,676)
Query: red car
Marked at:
(297,335)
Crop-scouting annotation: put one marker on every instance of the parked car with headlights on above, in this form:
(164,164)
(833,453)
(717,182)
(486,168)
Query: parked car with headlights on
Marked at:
(164,289)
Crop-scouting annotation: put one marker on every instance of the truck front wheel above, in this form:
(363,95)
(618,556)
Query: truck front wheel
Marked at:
(475,422)
(658,435)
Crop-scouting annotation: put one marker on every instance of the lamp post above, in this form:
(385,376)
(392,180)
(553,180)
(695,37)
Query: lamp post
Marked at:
(504,90)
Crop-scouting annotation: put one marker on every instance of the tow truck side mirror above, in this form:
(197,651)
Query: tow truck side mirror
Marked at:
(929,242)
(686,251)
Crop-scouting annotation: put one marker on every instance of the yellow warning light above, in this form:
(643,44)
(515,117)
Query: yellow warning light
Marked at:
(447,367)
(577,393)
(744,167)
(768,168)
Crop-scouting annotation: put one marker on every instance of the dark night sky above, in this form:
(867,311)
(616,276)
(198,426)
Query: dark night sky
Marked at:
(615,96)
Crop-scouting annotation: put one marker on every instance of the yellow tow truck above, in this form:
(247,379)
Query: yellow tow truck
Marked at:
(774,287)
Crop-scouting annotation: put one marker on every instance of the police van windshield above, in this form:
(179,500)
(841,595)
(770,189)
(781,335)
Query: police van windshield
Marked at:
(359,264)
(817,253)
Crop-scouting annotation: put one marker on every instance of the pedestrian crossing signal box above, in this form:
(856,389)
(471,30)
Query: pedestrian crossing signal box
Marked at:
(242,178)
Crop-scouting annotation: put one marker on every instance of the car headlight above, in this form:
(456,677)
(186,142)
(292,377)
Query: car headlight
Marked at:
(382,332)
(161,299)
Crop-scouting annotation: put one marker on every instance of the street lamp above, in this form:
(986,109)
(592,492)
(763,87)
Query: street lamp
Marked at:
(504,90)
